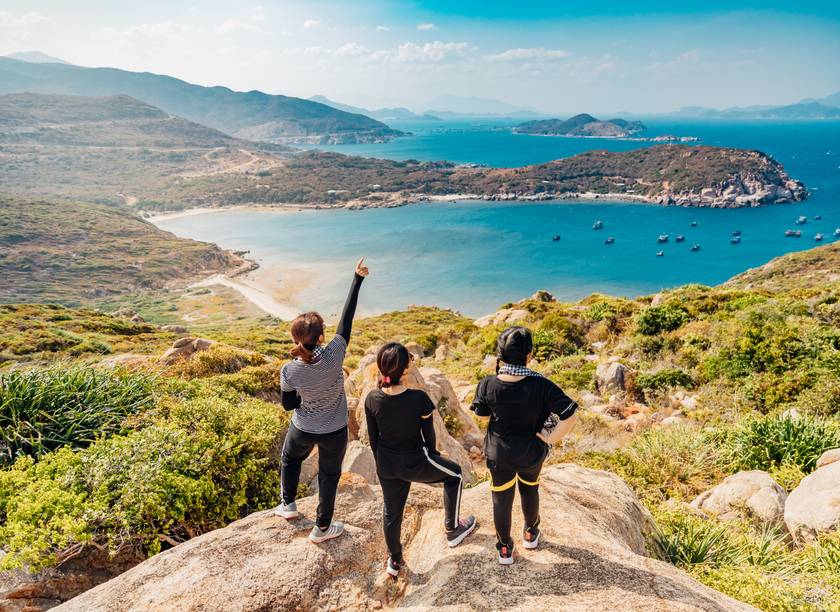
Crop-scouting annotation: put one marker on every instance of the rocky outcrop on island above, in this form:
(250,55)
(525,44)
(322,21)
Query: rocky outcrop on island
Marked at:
(582,125)
(594,557)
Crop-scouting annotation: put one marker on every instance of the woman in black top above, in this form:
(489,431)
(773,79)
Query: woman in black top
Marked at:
(400,424)
(518,402)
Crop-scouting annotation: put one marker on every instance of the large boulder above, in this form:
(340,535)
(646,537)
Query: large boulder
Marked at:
(593,557)
(611,377)
(413,379)
(184,348)
(503,316)
(445,397)
(829,456)
(359,460)
(753,492)
(814,506)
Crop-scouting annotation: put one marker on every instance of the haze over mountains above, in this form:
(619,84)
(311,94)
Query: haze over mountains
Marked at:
(253,115)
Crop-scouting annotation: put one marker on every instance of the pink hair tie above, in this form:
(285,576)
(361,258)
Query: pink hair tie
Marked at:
(386,379)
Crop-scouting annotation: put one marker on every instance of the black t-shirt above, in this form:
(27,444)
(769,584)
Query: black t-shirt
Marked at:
(518,410)
(400,423)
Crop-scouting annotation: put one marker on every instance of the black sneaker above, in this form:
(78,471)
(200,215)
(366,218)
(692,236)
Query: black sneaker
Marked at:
(505,553)
(531,538)
(465,527)
(393,567)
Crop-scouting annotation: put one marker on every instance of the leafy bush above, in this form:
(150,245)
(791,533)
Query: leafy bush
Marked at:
(202,463)
(687,540)
(217,360)
(768,442)
(663,380)
(44,409)
(822,399)
(658,319)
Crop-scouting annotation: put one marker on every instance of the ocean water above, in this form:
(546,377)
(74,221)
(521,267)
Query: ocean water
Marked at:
(475,256)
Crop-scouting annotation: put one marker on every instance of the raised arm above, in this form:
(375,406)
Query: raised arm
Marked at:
(345,324)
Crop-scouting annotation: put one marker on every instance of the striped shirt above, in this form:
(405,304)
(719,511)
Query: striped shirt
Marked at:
(320,384)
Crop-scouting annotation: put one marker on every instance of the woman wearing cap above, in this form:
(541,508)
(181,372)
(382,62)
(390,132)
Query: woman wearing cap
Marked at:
(312,385)
(402,436)
(518,402)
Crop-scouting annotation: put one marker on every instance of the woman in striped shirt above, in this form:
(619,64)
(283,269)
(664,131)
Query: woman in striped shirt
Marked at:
(312,385)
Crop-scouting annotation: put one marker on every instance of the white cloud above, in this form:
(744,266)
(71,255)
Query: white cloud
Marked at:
(165,29)
(436,51)
(311,23)
(382,28)
(352,50)
(531,53)
(234,25)
(426,26)
(20,27)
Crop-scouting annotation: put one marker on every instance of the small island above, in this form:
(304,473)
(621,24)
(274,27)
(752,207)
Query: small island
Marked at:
(582,125)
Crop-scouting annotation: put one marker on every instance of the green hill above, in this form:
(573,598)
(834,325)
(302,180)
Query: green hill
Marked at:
(75,252)
(253,115)
(581,125)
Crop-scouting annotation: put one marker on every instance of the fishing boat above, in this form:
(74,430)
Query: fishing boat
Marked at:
(736,233)
(680,238)
(798,234)
(662,238)
(818,237)
(817,217)
(735,239)
(802,220)
(660,253)
(695,247)
(837,233)
(598,225)
(790,233)
(556,237)
(694,224)
(609,240)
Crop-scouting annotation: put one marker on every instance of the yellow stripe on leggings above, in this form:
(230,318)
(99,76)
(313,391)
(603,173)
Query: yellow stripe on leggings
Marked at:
(505,486)
(532,484)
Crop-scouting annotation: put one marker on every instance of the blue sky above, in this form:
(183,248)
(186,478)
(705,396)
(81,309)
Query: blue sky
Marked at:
(558,57)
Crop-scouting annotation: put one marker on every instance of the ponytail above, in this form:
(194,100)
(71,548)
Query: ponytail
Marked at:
(307,330)
(392,361)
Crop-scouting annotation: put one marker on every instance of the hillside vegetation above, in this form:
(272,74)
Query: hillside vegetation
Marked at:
(745,357)
(73,252)
(581,125)
(254,115)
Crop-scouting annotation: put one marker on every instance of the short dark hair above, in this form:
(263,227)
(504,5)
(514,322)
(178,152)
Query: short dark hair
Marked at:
(307,329)
(392,360)
(514,345)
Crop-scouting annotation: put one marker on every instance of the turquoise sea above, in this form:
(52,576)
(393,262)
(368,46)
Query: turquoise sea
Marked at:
(475,256)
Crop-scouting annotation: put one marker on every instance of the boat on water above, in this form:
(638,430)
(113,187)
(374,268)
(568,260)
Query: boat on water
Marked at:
(818,237)
(662,238)
(735,239)
(556,237)
(660,254)
(693,224)
(817,217)
(802,220)
(680,238)
(598,225)
(736,233)
(790,233)
(695,247)
(798,234)
(609,240)
(837,233)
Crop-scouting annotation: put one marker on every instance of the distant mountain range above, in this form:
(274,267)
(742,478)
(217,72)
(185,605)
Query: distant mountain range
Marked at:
(398,113)
(582,125)
(35,57)
(802,110)
(252,115)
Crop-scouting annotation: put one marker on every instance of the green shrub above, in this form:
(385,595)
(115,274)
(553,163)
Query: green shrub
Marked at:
(768,442)
(664,379)
(204,462)
(822,399)
(428,343)
(658,319)
(218,359)
(44,409)
(687,540)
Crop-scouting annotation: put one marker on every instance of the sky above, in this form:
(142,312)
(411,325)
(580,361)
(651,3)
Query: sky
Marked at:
(553,57)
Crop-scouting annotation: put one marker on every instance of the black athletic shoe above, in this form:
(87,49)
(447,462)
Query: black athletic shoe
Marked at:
(393,567)
(531,538)
(465,527)
(505,553)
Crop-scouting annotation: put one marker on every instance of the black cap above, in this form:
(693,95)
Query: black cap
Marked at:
(514,344)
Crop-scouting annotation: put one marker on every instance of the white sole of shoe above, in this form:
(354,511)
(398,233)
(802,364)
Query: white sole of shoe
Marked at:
(460,538)
(506,560)
(391,572)
(286,514)
(531,545)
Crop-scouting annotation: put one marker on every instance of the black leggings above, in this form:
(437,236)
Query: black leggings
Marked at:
(504,483)
(397,472)
(331,448)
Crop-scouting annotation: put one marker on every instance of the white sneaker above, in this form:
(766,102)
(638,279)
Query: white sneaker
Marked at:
(335,529)
(287,511)
(531,538)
